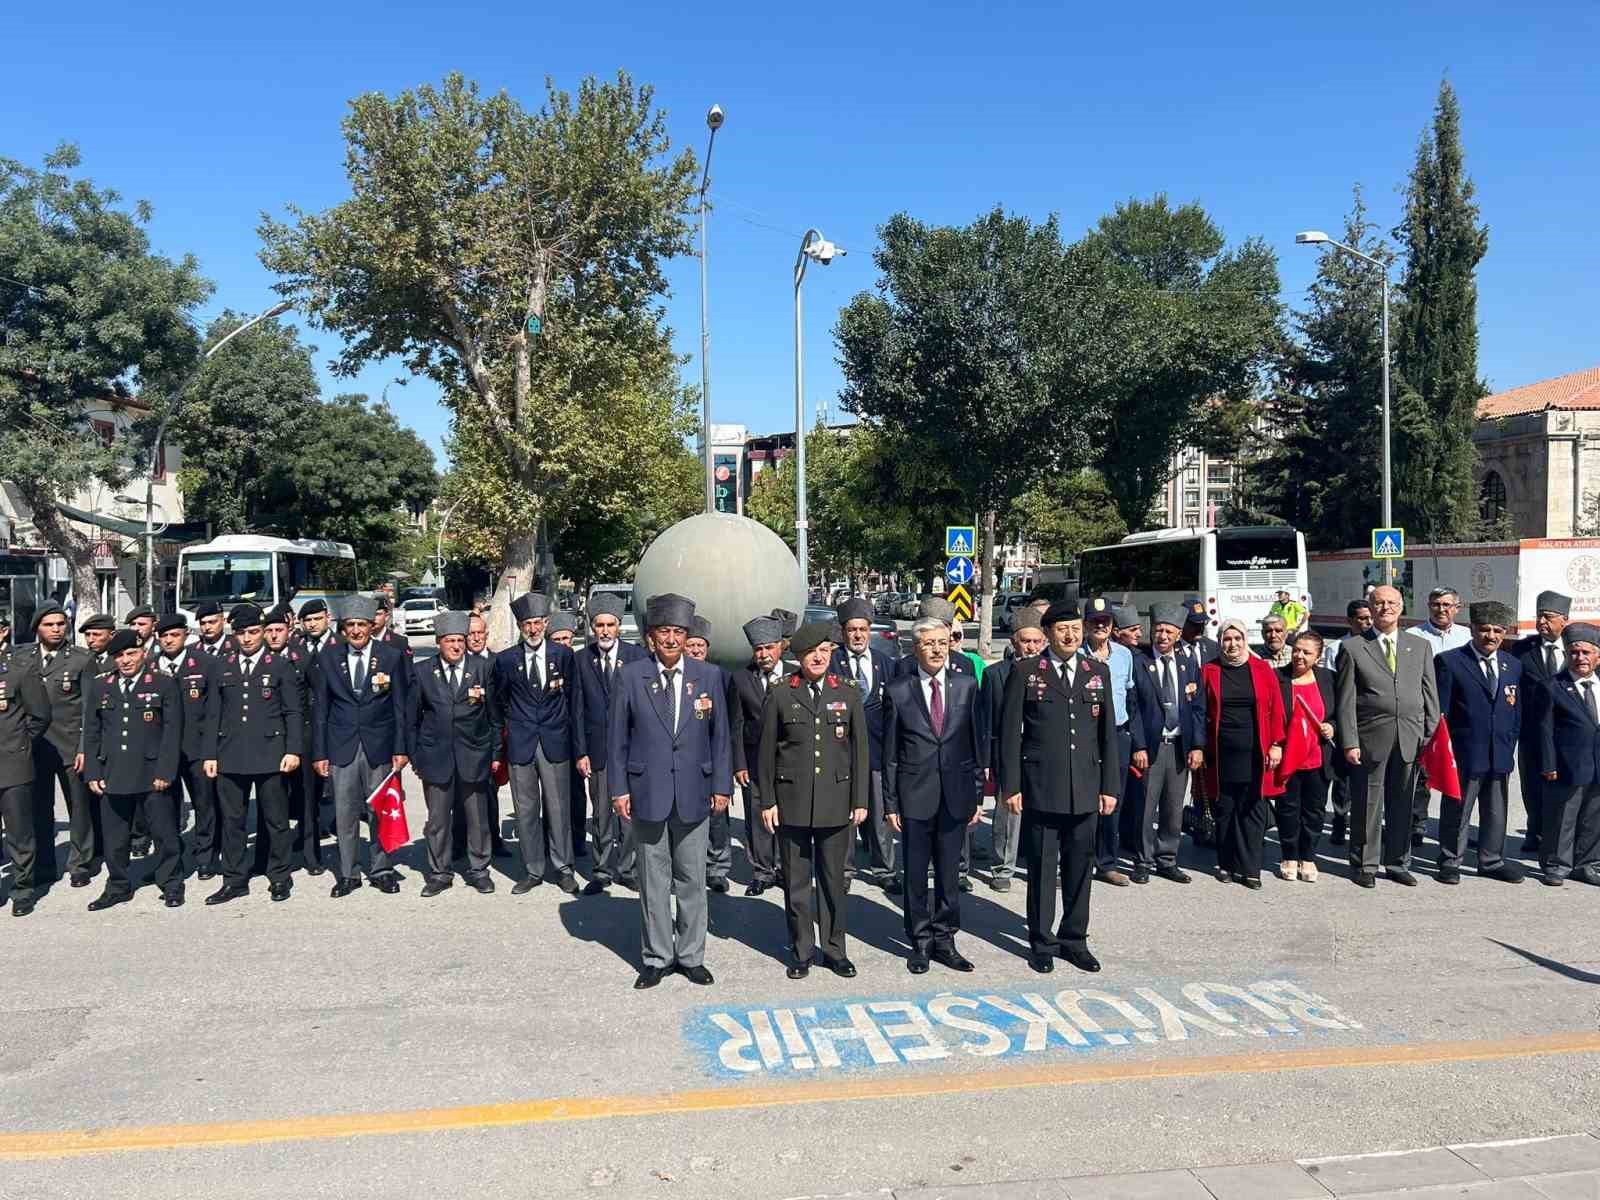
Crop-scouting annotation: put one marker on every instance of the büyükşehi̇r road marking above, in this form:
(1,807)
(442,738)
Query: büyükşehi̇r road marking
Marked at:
(73,1143)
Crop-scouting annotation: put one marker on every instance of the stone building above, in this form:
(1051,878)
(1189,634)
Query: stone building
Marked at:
(1539,454)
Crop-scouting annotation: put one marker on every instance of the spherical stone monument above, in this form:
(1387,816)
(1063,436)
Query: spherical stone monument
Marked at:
(733,569)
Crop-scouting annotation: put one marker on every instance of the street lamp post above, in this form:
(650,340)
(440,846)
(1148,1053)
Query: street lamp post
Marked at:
(277,309)
(714,120)
(813,248)
(1315,237)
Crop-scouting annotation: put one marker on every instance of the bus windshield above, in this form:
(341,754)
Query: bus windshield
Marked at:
(1258,550)
(226,578)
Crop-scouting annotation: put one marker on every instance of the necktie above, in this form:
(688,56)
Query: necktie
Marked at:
(1550,658)
(766,684)
(1388,653)
(1488,671)
(1588,701)
(816,694)
(171,665)
(358,673)
(669,679)
(455,678)
(605,668)
(936,708)
(861,670)
(48,656)
(533,672)
(1169,682)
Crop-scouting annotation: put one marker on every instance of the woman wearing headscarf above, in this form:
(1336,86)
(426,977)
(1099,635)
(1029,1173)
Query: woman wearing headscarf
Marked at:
(1244,708)
(1309,756)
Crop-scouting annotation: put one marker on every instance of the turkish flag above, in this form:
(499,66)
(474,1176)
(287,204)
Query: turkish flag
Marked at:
(1302,747)
(502,774)
(1438,763)
(388,803)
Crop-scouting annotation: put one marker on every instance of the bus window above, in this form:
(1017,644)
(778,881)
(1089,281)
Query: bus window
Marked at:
(319,574)
(1145,567)
(226,578)
(1257,550)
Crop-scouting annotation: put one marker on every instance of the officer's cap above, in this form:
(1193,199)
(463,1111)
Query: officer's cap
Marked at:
(448,624)
(700,628)
(1099,607)
(606,604)
(1492,612)
(1554,602)
(562,620)
(312,607)
(278,616)
(207,608)
(122,639)
(144,610)
(172,621)
(357,608)
(855,609)
(1168,614)
(49,610)
(1124,615)
(763,631)
(788,620)
(1581,631)
(244,616)
(939,609)
(530,605)
(809,636)
(669,609)
(1194,610)
(1061,610)
(98,621)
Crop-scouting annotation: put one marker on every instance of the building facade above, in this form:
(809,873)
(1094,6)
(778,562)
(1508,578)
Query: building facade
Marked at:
(1539,456)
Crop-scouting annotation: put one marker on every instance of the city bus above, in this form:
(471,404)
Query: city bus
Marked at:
(1237,571)
(268,571)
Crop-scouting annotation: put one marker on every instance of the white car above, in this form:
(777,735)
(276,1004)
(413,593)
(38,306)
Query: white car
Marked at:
(416,616)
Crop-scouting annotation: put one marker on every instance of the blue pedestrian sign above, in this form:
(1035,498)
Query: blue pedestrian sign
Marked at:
(959,570)
(1388,543)
(960,541)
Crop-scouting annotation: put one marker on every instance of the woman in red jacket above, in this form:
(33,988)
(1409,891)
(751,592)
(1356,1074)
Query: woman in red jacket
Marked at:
(1244,708)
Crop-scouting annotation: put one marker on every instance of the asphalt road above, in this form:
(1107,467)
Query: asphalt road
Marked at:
(1227,1027)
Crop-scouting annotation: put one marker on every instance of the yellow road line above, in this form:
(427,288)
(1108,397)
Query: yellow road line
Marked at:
(70,1143)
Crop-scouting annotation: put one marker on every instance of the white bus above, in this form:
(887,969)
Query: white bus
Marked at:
(268,571)
(1237,571)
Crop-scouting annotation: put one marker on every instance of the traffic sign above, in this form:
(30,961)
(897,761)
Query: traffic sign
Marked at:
(1388,543)
(962,599)
(960,541)
(959,570)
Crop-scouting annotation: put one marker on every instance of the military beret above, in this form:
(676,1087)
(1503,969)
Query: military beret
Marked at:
(1061,610)
(530,605)
(607,604)
(855,609)
(939,609)
(1580,631)
(809,636)
(669,609)
(172,621)
(243,616)
(1124,615)
(1492,612)
(357,608)
(122,639)
(312,607)
(1100,606)
(562,620)
(790,621)
(1168,614)
(49,610)
(1553,602)
(450,624)
(763,631)
(1024,618)
(207,608)
(98,621)
(144,610)
(278,616)
(700,628)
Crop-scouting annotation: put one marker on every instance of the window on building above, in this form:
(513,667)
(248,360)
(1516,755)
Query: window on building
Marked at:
(106,431)
(1219,473)
(1191,499)
(1492,497)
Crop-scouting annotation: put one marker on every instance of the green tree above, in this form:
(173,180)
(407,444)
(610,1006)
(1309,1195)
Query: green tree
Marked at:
(87,312)
(1436,336)
(1063,514)
(468,217)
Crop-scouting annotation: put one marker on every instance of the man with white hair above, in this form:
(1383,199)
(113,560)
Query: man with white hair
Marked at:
(598,665)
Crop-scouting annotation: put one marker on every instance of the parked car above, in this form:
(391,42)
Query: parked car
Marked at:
(1004,606)
(416,616)
(910,607)
(883,604)
(886,637)
(819,612)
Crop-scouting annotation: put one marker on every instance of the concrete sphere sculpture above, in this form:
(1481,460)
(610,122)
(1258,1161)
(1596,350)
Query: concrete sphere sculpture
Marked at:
(733,569)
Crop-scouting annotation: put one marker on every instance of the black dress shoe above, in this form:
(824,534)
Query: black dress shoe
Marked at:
(1507,872)
(482,884)
(1367,879)
(228,892)
(1401,876)
(205,873)
(895,882)
(1042,963)
(433,887)
(1253,882)
(1080,958)
(79,879)
(697,975)
(1449,875)
(1173,874)
(315,868)
(720,886)
(917,964)
(597,886)
(648,978)
(389,885)
(755,888)
(21,908)
(949,956)
(1589,875)
(842,967)
(173,899)
(568,883)
(280,891)
(1140,875)
(797,969)
(1224,876)
(1002,883)
(525,885)
(1547,879)
(344,887)
(107,900)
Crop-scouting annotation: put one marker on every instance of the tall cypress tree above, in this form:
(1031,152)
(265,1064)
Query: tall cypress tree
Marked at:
(1436,337)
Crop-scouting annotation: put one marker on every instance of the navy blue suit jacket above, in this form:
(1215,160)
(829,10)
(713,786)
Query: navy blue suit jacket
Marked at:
(871,701)
(592,700)
(378,721)
(454,734)
(1484,725)
(1569,739)
(543,720)
(1191,701)
(923,772)
(666,773)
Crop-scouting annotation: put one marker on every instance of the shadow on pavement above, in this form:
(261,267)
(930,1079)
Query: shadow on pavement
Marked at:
(1549,964)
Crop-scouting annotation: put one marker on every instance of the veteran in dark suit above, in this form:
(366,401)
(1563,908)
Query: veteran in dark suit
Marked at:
(24,717)
(719,852)
(1567,714)
(669,767)
(1058,768)
(747,694)
(597,666)
(66,671)
(1543,657)
(1171,711)
(198,679)
(307,789)
(814,766)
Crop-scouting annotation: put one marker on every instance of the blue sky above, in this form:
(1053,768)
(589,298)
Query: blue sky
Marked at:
(838,117)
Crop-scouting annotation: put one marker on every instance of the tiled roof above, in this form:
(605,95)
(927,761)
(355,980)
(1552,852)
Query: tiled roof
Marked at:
(1581,389)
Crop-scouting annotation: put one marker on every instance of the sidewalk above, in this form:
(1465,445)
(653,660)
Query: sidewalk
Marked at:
(1550,1168)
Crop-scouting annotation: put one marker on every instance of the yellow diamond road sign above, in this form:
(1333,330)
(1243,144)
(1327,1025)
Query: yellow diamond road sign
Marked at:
(962,599)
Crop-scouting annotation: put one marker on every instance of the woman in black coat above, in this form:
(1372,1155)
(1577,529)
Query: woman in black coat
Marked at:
(1309,756)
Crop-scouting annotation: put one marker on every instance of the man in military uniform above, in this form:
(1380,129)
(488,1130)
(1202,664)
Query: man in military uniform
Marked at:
(142,620)
(1027,640)
(747,693)
(213,640)
(132,741)
(197,677)
(260,740)
(24,717)
(597,665)
(314,638)
(5,634)
(1058,768)
(455,739)
(814,771)
(314,634)
(305,829)
(66,673)
(97,631)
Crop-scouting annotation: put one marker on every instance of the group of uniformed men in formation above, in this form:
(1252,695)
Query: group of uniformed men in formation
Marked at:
(830,739)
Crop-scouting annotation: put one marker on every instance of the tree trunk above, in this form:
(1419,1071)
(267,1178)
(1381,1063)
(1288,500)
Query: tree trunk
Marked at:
(986,582)
(516,576)
(78,550)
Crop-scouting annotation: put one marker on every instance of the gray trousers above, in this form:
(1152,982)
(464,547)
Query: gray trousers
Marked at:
(719,844)
(1381,805)
(1161,825)
(1571,828)
(1006,836)
(351,785)
(472,797)
(615,855)
(539,795)
(876,834)
(672,866)
(1488,792)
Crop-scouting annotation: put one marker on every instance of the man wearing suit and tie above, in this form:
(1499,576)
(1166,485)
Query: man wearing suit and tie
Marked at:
(669,767)
(598,665)
(1543,657)
(935,746)
(747,693)
(1567,714)
(533,679)
(1388,707)
(1171,711)
(864,665)
(1481,699)
(455,740)
(363,711)
(719,852)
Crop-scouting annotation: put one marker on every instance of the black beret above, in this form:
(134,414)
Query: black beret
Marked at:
(207,608)
(1061,610)
(278,616)
(98,621)
(809,636)
(243,616)
(49,610)
(312,607)
(122,639)
(144,610)
(172,621)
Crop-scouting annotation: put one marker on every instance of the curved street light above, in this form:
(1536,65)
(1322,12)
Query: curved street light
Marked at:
(714,120)
(818,249)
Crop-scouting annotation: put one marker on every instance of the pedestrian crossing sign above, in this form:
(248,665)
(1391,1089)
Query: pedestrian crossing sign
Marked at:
(1388,543)
(960,541)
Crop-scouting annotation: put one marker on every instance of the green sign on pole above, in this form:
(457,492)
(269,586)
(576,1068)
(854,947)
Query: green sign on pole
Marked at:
(535,326)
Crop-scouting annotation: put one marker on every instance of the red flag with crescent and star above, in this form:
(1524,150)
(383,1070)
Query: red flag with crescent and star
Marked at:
(1438,763)
(388,803)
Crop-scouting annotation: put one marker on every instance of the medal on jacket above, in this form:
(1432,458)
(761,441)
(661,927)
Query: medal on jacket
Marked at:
(1511,695)
(66,683)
